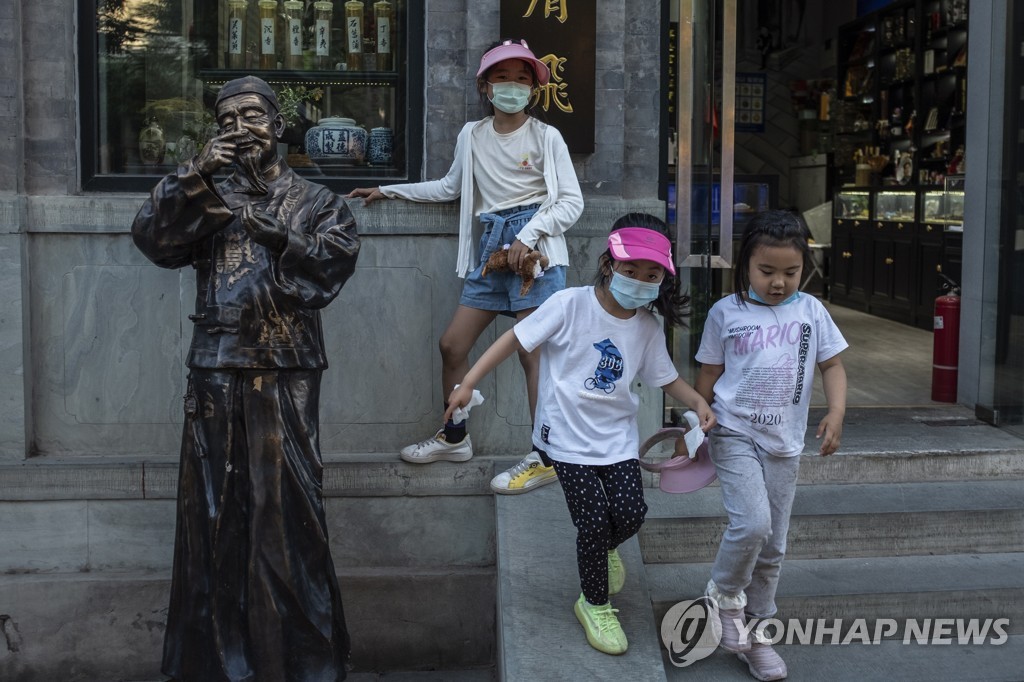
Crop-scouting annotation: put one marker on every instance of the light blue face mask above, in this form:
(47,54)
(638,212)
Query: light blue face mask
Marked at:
(752,295)
(632,294)
(510,97)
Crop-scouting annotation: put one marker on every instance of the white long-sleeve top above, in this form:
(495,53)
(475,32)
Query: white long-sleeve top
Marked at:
(545,231)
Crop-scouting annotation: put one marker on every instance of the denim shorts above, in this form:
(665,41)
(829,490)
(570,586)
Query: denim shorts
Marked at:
(499,291)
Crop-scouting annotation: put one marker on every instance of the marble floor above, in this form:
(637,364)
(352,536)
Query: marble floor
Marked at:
(888,364)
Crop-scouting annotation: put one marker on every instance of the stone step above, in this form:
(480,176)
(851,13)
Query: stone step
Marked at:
(538,635)
(919,587)
(907,451)
(853,520)
(84,627)
(888,660)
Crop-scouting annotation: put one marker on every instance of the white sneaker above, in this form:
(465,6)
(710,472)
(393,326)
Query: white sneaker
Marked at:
(437,448)
(524,477)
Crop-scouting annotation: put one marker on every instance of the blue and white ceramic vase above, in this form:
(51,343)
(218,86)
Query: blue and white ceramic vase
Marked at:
(379,152)
(336,140)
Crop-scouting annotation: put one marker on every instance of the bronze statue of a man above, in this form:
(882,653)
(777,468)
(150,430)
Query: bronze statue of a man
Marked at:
(254,594)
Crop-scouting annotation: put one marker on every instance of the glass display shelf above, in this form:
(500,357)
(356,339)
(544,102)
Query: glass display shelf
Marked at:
(852,205)
(895,206)
(942,207)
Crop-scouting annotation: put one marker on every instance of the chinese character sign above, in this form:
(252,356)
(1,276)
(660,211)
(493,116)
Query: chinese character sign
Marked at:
(562,34)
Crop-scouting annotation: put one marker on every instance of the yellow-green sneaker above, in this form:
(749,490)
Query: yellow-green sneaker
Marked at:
(602,626)
(616,572)
(524,477)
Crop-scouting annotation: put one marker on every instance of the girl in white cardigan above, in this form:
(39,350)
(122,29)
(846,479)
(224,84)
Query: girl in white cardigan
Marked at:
(518,192)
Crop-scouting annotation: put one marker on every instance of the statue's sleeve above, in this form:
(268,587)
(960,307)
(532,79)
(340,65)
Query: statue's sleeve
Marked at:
(181,211)
(321,252)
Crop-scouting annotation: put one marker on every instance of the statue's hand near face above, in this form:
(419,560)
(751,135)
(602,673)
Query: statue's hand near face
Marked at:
(220,151)
(264,228)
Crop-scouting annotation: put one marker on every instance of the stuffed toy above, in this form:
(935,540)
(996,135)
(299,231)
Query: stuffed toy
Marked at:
(530,268)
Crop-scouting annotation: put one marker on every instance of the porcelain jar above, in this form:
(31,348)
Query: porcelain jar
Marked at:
(336,140)
(152,144)
(380,147)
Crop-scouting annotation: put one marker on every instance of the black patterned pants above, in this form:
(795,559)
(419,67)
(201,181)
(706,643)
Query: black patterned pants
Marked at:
(606,503)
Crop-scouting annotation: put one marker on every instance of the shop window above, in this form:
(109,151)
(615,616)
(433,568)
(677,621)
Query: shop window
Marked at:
(150,70)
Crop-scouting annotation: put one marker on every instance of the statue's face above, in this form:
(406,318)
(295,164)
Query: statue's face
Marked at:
(249,113)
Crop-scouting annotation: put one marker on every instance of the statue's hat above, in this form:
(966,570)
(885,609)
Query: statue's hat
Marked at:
(245,85)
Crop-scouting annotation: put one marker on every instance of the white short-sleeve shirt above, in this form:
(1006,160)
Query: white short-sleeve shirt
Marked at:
(586,412)
(508,167)
(769,353)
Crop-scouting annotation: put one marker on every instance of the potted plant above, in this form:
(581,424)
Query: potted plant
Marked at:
(185,123)
(295,102)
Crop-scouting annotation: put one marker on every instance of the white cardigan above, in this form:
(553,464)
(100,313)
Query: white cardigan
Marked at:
(544,232)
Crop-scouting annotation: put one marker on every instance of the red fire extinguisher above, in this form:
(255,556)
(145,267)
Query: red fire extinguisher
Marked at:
(946,352)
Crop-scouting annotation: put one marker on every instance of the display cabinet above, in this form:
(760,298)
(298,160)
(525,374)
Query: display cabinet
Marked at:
(942,207)
(899,134)
(895,206)
(854,109)
(852,205)
(341,70)
(851,245)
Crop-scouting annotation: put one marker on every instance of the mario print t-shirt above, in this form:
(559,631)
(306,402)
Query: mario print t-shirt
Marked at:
(769,353)
(586,412)
(508,168)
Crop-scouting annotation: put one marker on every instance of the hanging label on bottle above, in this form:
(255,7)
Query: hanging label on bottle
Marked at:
(266,36)
(355,34)
(235,35)
(383,35)
(295,37)
(323,37)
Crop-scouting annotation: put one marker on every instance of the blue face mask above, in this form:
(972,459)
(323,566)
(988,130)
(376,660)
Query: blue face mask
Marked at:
(632,294)
(752,295)
(510,97)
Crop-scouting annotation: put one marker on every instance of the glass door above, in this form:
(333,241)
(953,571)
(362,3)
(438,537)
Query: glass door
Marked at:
(703,141)
(1001,382)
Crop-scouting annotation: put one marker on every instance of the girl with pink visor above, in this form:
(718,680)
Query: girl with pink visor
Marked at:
(518,191)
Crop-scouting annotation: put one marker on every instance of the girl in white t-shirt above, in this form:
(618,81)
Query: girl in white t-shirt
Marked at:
(593,342)
(519,188)
(759,350)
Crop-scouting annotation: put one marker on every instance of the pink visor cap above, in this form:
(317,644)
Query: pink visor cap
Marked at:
(680,474)
(639,243)
(514,50)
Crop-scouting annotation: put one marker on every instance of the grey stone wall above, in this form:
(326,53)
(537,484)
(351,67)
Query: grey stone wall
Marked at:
(94,335)
(10,96)
(92,344)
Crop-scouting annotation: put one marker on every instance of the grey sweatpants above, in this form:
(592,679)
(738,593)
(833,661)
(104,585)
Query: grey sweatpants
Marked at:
(757,491)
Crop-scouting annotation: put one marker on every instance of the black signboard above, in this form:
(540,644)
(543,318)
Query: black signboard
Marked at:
(562,34)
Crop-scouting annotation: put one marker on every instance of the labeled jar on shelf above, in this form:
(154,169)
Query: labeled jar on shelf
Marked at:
(293,28)
(354,34)
(268,31)
(236,33)
(382,17)
(323,11)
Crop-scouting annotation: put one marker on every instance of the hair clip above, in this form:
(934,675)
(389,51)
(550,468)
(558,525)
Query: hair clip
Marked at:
(521,42)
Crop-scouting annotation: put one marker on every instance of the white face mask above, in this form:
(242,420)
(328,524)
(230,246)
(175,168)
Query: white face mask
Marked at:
(631,293)
(510,97)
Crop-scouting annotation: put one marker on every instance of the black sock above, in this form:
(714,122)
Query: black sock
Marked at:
(543,456)
(455,433)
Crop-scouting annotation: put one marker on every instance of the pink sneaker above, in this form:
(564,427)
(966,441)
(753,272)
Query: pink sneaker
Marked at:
(764,664)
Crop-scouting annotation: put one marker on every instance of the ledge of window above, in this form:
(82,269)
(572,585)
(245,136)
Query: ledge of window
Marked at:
(114,213)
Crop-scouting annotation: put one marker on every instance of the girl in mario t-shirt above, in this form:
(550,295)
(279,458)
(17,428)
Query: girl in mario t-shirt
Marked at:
(759,350)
